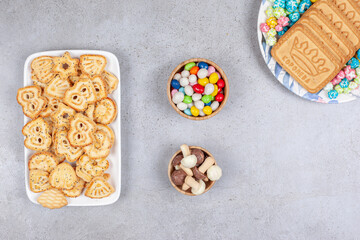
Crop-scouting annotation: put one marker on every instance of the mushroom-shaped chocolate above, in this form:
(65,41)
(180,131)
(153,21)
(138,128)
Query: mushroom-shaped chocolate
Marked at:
(197,174)
(185,150)
(189,161)
(177,159)
(214,173)
(197,188)
(199,155)
(206,165)
(178,177)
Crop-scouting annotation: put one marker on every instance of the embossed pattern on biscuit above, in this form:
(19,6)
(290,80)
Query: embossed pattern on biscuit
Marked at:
(105,111)
(42,68)
(31,101)
(99,188)
(45,161)
(111,81)
(305,59)
(81,131)
(76,190)
(63,147)
(62,116)
(109,132)
(57,87)
(350,10)
(52,198)
(80,95)
(333,33)
(339,20)
(39,180)
(100,148)
(91,167)
(37,133)
(92,64)
(63,176)
(100,88)
(66,66)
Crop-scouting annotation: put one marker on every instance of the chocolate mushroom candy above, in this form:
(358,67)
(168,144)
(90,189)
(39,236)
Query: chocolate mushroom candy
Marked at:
(199,155)
(176,161)
(185,150)
(206,165)
(214,173)
(178,177)
(197,188)
(189,161)
(197,174)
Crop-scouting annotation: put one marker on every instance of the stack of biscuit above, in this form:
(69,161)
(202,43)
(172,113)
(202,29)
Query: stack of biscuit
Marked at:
(70,111)
(318,46)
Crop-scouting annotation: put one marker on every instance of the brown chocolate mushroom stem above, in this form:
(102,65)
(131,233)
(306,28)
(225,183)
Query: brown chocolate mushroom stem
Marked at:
(197,174)
(178,177)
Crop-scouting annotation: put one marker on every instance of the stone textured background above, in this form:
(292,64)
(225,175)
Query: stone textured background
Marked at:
(291,167)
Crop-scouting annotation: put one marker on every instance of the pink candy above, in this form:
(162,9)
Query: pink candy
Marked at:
(350,73)
(264,28)
(283,21)
(211,69)
(279,28)
(173,92)
(340,75)
(336,81)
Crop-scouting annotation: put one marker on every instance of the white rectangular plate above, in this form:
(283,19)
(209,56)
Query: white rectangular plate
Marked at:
(115,154)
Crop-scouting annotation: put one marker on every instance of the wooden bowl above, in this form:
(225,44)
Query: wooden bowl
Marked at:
(179,68)
(209,184)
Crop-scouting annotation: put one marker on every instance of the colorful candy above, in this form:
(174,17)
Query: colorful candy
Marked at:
(333,94)
(271,22)
(197,90)
(354,63)
(292,5)
(304,5)
(279,12)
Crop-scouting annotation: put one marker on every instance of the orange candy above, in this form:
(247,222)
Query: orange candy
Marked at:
(194,70)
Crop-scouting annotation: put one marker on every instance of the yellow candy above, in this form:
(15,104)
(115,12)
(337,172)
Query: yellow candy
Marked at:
(203,81)
(313,1)
(207,110)
(215,92)
(194,111)
(271,22)
(214,77)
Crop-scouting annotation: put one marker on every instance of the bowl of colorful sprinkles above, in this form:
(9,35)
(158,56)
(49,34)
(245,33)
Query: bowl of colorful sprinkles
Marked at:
(275,18)
(198,89)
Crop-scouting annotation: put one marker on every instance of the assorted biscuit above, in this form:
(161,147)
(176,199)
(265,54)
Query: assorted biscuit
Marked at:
(316,48)
(70,111)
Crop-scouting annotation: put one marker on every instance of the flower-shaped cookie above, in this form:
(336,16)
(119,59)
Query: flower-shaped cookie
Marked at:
(66,66)
(62,116)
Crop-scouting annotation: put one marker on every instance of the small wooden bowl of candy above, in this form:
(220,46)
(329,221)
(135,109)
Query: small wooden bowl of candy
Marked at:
(198,89)
(193,170)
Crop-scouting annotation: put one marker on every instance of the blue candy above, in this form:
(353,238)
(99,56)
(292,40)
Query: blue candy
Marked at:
(354,63)
(208,104)
(283,31)
(182,89)
(292,5)
(175,84)
(358,54)
(187,112)
(294,17)
(333,94)
(304,5)
(279,3)
(203,65)
(344,83)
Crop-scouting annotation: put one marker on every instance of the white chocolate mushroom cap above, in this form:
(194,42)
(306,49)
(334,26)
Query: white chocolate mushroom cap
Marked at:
(200,190)
(189,161)
(214,173)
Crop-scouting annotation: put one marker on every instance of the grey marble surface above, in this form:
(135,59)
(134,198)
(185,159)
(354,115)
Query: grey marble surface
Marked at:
(291,167)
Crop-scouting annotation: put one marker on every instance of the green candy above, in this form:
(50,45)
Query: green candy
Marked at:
(212,98)
(339,89)
(206,98)
(187,99)
(189,66)
(347,90)
(357,80)
(353,85)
